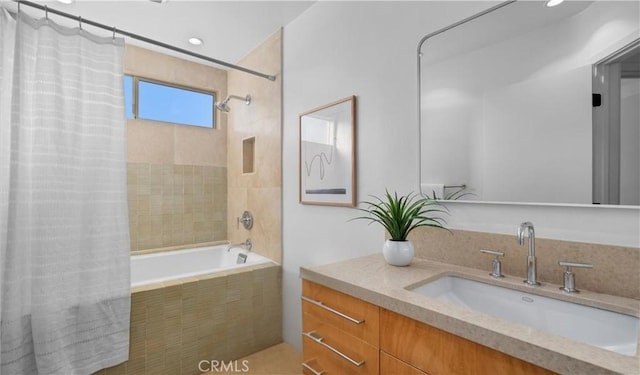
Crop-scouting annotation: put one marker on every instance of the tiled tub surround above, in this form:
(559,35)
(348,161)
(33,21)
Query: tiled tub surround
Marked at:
(371,279)
(614,272)
(221,316)
(177,174)
(174,205)
(259,191)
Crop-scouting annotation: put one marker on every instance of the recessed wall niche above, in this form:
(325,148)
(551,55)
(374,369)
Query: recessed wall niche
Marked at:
(248,154)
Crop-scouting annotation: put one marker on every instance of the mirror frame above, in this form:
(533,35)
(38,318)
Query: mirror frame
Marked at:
(419,81)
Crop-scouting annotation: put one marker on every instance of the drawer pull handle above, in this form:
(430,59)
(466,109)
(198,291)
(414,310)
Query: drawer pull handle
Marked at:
(320,340)
(313,371)
(322,305)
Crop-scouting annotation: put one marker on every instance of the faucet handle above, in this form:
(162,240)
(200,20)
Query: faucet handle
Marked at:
(246,219)
(497,265)
(248,244)
(574,264)
(493,252)
(569,276)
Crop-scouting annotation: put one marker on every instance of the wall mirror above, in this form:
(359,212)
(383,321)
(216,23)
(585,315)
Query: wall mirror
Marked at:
(327,154)
(506,104)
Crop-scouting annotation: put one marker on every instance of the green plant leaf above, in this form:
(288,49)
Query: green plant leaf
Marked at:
(399,215)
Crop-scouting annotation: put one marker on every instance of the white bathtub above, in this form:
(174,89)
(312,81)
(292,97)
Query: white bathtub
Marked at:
(172,265)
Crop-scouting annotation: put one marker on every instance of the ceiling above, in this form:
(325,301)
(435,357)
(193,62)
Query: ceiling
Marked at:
(229,29)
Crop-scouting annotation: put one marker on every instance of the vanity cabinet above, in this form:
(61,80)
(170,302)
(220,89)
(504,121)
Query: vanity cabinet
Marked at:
(436,352)
(392,365)
(340,333)
(344,335)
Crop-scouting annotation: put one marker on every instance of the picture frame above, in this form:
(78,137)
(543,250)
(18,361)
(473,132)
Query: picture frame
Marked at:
(327,154)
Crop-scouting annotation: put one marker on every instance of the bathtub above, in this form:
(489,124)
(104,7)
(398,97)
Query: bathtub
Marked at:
(214,309)
(178,264)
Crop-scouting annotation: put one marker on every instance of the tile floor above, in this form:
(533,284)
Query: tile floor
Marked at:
(281,359)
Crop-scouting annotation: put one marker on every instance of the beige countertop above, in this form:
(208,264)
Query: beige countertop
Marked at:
(371,279)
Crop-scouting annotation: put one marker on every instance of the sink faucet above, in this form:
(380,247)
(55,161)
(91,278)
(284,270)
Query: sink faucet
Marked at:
(524,229)
(246,245)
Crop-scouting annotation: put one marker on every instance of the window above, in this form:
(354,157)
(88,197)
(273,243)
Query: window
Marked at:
(150,100)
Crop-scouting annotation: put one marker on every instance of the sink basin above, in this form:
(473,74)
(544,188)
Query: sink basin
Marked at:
(602,328)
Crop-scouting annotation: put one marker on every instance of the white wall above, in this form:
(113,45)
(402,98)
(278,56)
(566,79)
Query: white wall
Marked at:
(526,134)
(336,49)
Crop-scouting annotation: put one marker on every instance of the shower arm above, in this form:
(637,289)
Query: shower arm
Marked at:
(247,99)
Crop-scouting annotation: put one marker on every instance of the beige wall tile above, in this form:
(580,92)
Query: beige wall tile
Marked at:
(166,208)
(161,143)
(161,146)
(155,362)
(149,142)
(615,268)
(200,146)
(262,120)
(172,363)
(136,366)
(216,317)
(151,64)
(158,152)
(266,203)
(189,358)
(117,370)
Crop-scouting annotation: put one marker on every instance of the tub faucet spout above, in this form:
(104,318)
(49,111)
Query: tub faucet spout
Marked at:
(247,245)
(526,229)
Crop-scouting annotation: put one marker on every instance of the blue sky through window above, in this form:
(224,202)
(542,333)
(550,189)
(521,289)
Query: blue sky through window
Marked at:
(160,102)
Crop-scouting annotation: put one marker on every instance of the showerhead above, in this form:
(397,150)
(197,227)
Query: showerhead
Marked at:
(224,105)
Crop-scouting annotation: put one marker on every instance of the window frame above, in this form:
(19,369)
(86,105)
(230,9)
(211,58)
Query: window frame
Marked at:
(135,79)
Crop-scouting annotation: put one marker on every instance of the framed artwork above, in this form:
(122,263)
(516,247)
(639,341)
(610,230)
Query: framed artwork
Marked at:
(328,154)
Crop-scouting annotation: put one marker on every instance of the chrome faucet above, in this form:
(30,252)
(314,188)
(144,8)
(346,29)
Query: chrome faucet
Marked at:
(524,229)
(247,245)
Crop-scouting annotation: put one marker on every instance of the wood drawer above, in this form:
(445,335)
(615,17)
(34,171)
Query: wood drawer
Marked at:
(392,365)
(349,314)
(441,353)
(327,348)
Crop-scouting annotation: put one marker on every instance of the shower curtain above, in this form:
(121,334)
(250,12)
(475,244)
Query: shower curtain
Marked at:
(64,233)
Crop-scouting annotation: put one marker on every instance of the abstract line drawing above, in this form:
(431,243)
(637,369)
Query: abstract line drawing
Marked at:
(327,154)
(321,158)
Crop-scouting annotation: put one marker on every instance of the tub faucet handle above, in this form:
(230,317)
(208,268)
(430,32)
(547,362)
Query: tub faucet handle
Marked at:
(246,219)
(496,271)
(248,244)
(569,277)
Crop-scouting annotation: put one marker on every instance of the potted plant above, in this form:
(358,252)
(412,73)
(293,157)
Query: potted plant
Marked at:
(399,215)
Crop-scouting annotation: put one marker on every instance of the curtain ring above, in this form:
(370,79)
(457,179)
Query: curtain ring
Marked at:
(46,12)
(19,2)
(114,33)
(80,22)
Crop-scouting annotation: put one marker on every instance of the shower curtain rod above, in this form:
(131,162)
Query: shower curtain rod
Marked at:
(142,38)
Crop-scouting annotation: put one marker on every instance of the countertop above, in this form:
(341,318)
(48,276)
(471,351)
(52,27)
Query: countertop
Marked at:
(371,279)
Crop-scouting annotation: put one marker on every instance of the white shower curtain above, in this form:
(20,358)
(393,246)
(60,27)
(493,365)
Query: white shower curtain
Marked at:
(64,233)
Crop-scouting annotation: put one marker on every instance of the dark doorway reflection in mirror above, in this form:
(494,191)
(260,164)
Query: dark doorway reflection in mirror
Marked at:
(616,127)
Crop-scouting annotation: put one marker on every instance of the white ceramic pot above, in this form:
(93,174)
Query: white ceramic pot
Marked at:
(398,253)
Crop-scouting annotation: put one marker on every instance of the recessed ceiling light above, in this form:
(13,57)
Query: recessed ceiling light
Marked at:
(195,41)
(552,3)
(65,1)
